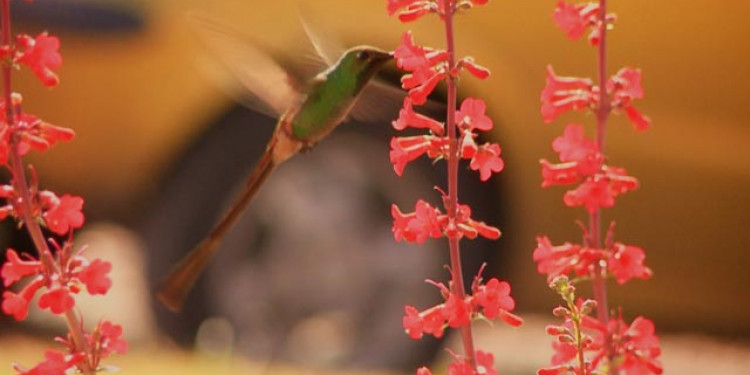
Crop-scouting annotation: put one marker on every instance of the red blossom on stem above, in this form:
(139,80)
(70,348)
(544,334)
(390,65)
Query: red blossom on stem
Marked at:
(487,161)
(450,141)
(626,262)
(41,55)
(623,87)
(492,300)
(59,273)
(62,214)
(16,268)
(563,94)
(583,342)
(55,363)
(408,118)
(428,222)
(575,19)
(61,285)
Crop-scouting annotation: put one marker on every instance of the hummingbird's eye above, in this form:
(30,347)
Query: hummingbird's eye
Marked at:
(363,55)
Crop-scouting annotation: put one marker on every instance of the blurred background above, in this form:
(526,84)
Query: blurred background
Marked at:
(311,278)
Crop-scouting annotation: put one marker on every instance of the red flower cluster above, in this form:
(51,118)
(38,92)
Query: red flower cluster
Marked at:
(411,10)
(103,340)
(461,366)
(33,132)
(636,346)
(583,163)
(428,222)
(563,94)
(75,271)
(428,67)
(59,273)
(452,141)
(623,262)
(606,343)
(55,363)
(491,300)
(41,55)
(60,214)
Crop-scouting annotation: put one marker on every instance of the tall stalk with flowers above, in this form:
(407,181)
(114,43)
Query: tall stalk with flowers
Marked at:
(60,271)
(452,141)
(606,343)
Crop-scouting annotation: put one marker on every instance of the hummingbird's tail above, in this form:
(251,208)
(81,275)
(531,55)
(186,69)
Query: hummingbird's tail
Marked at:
(174,289)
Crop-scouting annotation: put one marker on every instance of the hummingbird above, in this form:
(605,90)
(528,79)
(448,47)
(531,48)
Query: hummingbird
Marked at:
(308,113)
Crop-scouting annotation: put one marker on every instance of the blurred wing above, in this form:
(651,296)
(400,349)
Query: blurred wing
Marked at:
(255,70)
(327,48)
(381,101)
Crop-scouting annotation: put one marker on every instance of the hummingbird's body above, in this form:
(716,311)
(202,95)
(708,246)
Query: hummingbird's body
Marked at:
(310,117)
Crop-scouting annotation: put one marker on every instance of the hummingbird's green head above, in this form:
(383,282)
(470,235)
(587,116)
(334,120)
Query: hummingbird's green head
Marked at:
(364,62)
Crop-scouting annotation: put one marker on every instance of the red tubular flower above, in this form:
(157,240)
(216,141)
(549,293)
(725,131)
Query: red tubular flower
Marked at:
(42,56)
(473,68)
(416,11)
(639,120)
(493,297)
(626,263)
(572,145)
(419,94)
(472,115)
(559,174)
(466,226)
(406,149)
(487,160)
(421,62)
(416,226)
(562,94)
(107,338)
(619,181)
(434,321)
(413,324)
(456,311)
(641,349)
(624,87)
(16,268)
(485,363)
(408,118)
(563,259)
(95,277)
(17,305)
(468,147)
(564,352)
(409,10)
(55,363)
(425,224)
(554,370)
(39,135)
(423,371)
(593,193)
(57,300)
(401,224)
(413,58)
(65,214)
(461,367)
(574,19)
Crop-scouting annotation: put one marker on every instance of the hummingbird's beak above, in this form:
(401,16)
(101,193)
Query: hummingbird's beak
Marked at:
(383,56)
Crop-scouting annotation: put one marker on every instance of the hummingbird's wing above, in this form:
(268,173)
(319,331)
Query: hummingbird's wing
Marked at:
(259,75)
(379,101)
